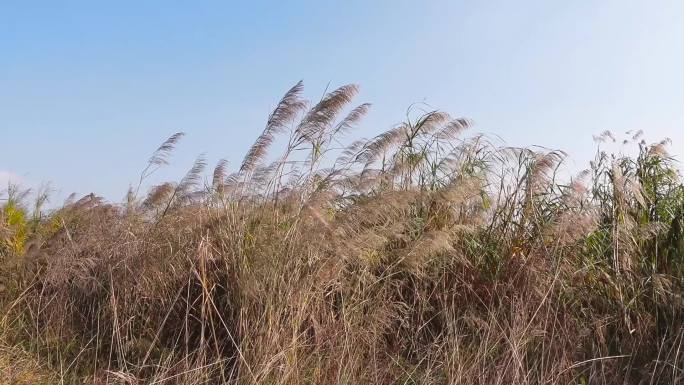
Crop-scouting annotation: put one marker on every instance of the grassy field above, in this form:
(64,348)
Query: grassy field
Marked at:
(421,256)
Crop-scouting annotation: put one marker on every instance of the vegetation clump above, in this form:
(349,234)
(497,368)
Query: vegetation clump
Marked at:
(419,256)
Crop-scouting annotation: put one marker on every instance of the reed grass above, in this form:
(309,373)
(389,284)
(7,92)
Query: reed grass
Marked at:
(419,256)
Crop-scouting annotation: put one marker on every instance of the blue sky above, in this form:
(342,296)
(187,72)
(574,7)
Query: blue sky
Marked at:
(88,90)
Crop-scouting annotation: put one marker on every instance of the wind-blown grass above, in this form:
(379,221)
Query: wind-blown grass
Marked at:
(418,256)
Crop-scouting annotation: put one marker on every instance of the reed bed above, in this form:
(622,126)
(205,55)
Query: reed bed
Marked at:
(424,255)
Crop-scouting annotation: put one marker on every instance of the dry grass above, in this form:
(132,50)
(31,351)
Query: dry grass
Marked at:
(20,368)
(415,257)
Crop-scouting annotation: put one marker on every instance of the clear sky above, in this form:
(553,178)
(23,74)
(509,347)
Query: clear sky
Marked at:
(88,89)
